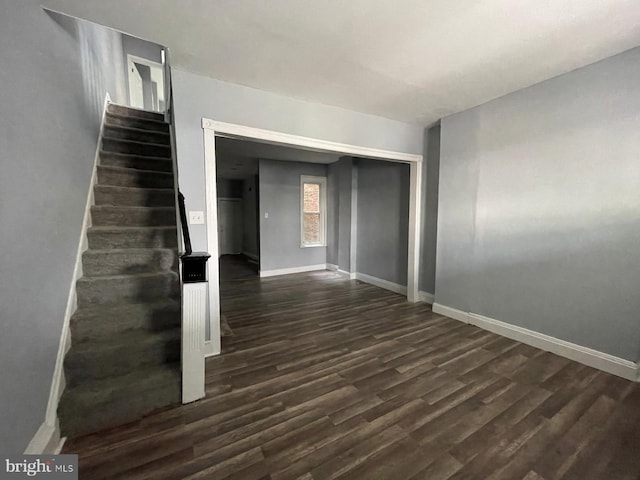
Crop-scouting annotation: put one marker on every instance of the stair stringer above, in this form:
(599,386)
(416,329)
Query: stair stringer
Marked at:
(47,439)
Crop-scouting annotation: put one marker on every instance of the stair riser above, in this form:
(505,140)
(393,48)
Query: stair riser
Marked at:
(132,290)
(164,238)
(149,150)
(84,329)
(122,133)
(134,197)
(124,217)
(140,163)
(114,362)
(139,123)
(130,112)
(79,418)
(133,178)
(96,264)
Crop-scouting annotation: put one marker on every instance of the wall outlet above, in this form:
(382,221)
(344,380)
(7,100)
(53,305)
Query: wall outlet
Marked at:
(266,214)
(196,218)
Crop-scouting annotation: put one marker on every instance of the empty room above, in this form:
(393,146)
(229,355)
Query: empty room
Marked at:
(320,240)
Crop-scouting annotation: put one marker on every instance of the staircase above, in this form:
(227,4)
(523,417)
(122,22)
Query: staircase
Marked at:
(124,361)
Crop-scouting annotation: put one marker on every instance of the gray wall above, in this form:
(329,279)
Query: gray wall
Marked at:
(429,223)
(197,96)
(383,220)
(227,188)
(345,187)
(250,216)
(143,49)
(280,198)
(332,213)
(54,77)
(539,208)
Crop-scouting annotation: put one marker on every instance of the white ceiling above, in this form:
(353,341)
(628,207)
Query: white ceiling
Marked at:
(410,60)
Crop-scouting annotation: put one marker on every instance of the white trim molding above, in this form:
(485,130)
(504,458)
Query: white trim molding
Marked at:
(587,356)
(379,282)
(289,271)
(425,297)
(351,275)
(280,138)
(47,439)
(332,267)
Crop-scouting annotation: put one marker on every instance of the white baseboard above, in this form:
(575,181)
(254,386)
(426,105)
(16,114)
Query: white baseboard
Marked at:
(47,439)
(351,275)
(587,356)
(379,282)
(425,297)
(332,267)
(288,271)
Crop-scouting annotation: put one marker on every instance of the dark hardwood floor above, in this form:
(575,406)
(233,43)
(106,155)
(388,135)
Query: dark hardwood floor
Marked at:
(329,378)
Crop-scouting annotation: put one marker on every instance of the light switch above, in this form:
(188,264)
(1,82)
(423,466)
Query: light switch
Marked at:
(196,218)
(266,214)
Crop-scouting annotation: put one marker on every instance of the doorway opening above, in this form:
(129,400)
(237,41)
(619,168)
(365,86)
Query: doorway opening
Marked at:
(146,84)
(217,133)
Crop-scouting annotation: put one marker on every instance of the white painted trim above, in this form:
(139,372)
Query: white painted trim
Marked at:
(587,356)
(288,271)
(213,346)
(351,275)
(337,269)
(194,318)
(379,282)
(322,181)
(415,196)
(280,138)
(450,312)
(47,439)
(425,297)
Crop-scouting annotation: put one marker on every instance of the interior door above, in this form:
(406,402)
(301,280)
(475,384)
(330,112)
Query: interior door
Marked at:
(136,97)
(229,226)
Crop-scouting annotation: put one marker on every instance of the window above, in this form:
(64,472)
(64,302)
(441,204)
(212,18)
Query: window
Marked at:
(313,194)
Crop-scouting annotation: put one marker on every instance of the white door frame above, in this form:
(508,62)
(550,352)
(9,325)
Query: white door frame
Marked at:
(132,59)
(214,128)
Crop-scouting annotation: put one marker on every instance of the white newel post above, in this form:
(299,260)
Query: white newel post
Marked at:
(194,317)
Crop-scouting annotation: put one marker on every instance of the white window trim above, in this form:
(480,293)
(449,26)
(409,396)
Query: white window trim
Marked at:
(322,181)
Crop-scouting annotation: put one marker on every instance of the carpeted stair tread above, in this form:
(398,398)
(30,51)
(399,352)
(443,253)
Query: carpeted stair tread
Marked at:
(133,196)
(135,148)
(124,360)
(107,215)
(132,237)
(132,177)
(139,162)
(115,401)
(134,112)
(116,120)
(128,261)
(138,288)
(97,322)
(119,353)
(123,132)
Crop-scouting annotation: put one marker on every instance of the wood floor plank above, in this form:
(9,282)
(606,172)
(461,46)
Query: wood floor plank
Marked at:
(327,378)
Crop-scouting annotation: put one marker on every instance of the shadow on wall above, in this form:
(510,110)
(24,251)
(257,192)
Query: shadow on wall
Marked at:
(100,57)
